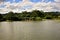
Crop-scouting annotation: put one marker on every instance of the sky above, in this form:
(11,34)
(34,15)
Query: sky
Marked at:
(29,5)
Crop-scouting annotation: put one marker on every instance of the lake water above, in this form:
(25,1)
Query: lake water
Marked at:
(33,30)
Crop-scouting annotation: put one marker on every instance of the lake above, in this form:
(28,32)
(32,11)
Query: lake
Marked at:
(33,30)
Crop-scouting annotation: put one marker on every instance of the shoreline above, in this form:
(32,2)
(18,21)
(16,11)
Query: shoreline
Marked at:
(57,20)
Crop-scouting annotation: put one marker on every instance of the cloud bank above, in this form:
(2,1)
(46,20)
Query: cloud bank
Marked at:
(29,5)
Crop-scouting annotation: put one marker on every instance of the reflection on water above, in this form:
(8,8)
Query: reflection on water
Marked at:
(44,30)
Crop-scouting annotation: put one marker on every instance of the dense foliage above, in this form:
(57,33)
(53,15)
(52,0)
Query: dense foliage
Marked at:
(34,15)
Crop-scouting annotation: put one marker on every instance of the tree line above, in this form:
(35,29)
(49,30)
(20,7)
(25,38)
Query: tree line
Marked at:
(33,15)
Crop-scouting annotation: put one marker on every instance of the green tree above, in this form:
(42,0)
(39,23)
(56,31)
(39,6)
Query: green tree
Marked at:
(9,16)
(1,17)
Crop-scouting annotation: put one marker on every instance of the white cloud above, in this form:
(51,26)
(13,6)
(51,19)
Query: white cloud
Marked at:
(29,6)
(57,0)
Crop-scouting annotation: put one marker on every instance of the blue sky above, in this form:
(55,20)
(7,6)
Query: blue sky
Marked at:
(41,1)
(29,0)
(12,1)
(29,5)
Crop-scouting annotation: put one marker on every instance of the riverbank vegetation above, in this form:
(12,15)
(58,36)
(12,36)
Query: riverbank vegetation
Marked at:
(34,15)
